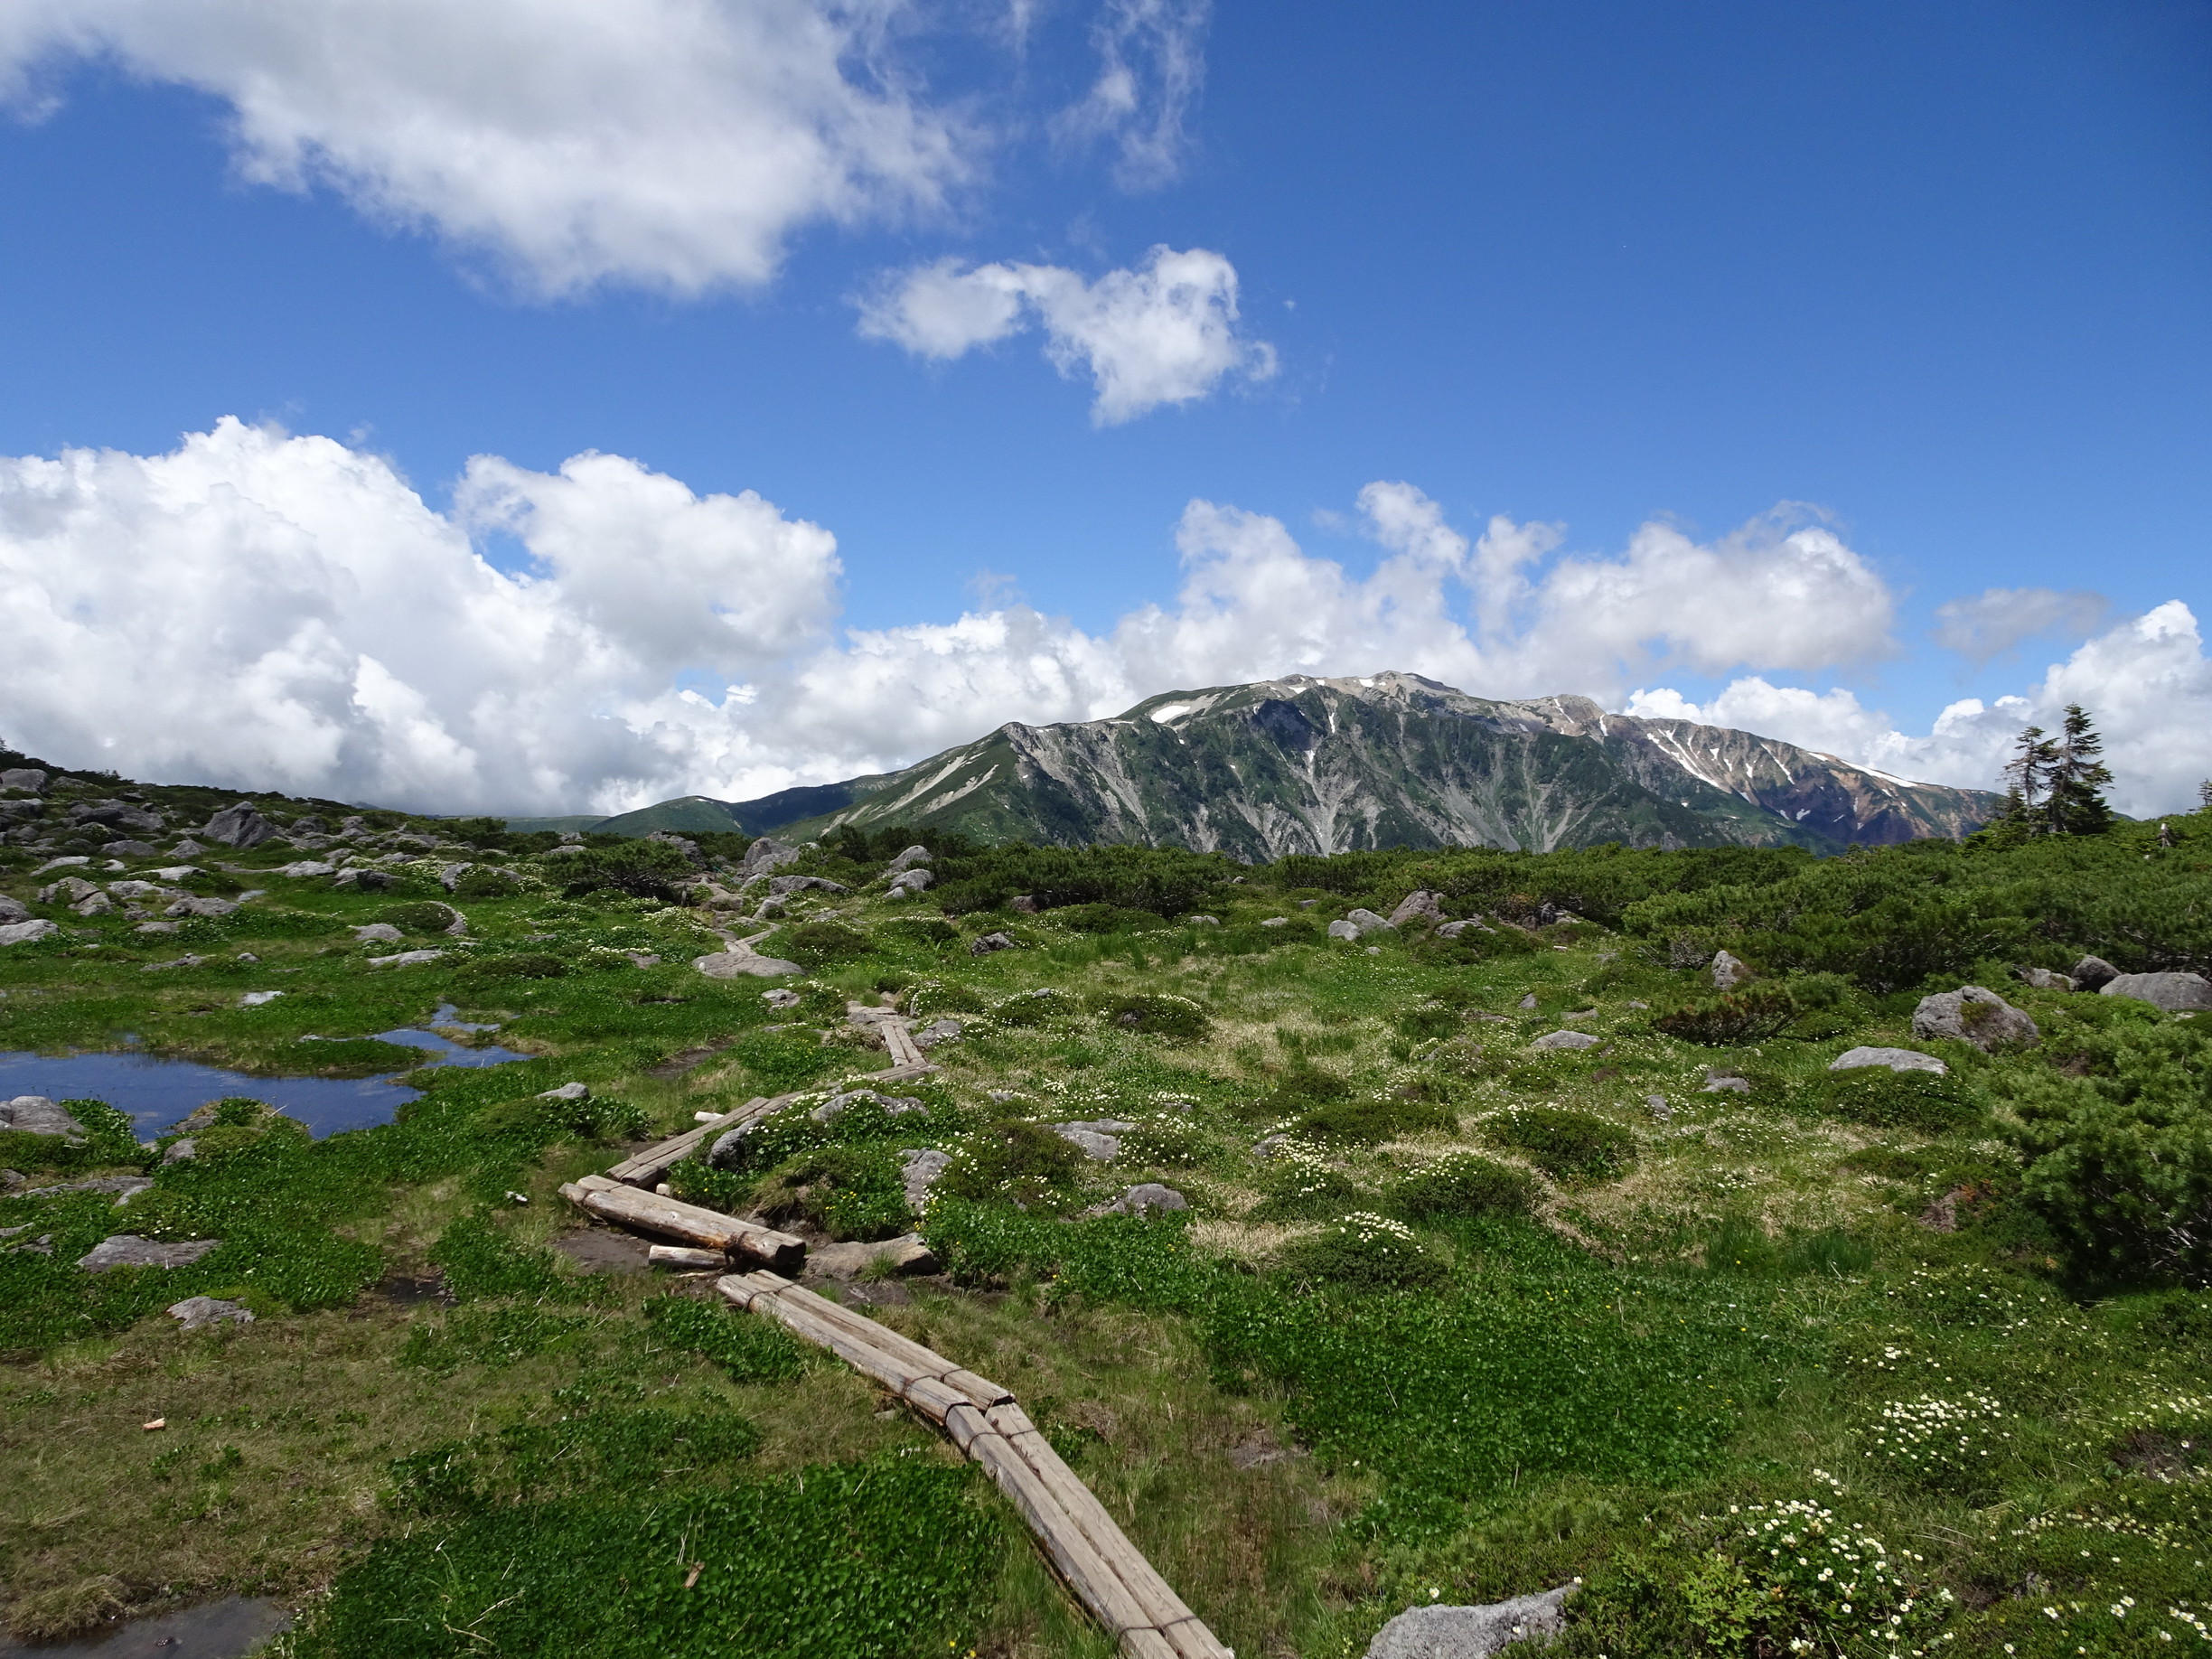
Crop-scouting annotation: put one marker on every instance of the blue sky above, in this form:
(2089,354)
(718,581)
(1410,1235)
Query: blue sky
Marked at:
(1935,275)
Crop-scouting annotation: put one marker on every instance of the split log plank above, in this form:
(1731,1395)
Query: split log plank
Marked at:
(645,1168)
(708,1228)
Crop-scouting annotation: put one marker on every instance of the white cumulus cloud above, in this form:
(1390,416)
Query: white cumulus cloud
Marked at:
(1991,623)
(670,143)
(265,610)
(2146,682)
(1164,332)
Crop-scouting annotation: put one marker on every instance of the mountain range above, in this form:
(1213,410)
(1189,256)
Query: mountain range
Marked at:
(1320,765)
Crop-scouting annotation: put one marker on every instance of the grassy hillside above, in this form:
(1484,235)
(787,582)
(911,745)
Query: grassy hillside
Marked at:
(1806,1363)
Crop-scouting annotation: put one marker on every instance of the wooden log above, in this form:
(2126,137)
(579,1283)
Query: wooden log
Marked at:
(1095,1583)
(673,1218)
(645,1168)
(685,1256)
(898,1037)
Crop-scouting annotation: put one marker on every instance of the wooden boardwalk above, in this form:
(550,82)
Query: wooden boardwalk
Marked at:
(1114,1583)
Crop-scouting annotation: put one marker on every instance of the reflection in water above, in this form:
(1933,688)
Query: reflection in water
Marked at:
(156,1094)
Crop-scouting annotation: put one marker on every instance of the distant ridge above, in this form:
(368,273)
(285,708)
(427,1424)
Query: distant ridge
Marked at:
(1322,765)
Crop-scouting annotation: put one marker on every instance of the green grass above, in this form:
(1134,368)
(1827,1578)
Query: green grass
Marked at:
(1489,1321)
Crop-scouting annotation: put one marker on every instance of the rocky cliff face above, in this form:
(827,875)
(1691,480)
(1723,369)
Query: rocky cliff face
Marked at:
(1301,765)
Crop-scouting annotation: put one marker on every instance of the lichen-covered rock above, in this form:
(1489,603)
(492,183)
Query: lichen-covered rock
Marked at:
(2044,978)
(1972,1015)
(241,826)
(1728,971)
(920,1166)
(27,933)
(1436,1632)
(1896,1059)
(1420,906)
(197,1312)
(128,1250)
(1566,1039)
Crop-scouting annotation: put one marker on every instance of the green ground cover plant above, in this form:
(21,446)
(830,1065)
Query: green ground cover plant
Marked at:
(1445,1316)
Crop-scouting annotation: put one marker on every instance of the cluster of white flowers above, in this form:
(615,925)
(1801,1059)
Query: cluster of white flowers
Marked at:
(1836,1581)
(1365,1227)
(1931,1437)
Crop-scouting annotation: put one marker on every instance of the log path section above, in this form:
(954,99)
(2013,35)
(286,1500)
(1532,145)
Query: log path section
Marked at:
(1116,1585)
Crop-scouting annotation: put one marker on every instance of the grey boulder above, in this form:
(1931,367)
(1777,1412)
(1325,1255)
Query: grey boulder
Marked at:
(1472,1633)
(1365,922)
(378,933)
(406,959)
(27,933)
(1420,906)
(917,853)
(197,906)
(68,890)
(568,1091)
(1566,1039)
(1100,1138)
(13,910)
(910,881)
(919,1169)
(34,1114)
(1452,930)
(128,1250)
(783,886)
(2176,993)
(905,1254)
(736,964)
(1344,930)
(1972,1015)
(241,826)
(768,854)
(2093,973)
(1143,1198)
(198,1312)
(1896,1059)
(24,777)
(988,942)
(2043,979)
(1728,971)
(937,1031)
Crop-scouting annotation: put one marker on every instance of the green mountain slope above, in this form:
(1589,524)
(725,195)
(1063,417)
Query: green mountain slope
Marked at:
(1301,765)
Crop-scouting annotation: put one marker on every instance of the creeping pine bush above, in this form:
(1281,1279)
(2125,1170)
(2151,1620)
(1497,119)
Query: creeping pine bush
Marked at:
(847,1192)
(1370,1118)
(1931,1102)
(2121,1165)
(1363,1251)
(1750,1015)
(1945,1445)
(817,944)
(1463,1184)
(1573,1148)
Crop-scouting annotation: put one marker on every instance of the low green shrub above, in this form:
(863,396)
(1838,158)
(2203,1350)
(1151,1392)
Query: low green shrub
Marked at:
(1463,1184)
(2121,1165)
(351,1057)
(609,1449)
(782,1061)
(423,917)
(1157,1016)
(1035,1008)
(933,998)
(818,944)
(1749,1015)
(848,1192)
(1299,1185)
(1928,1103)
(1025,1162)
(1363,1252)
(1573,1148)
(1371,1119)
(1106,919)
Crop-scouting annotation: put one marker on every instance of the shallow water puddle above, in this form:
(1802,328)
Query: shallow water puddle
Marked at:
(157,1092)
(225,1629)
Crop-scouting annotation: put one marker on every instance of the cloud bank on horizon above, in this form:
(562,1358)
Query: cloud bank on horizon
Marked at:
(263,610)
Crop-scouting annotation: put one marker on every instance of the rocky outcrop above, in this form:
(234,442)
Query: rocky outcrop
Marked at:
(2176,993)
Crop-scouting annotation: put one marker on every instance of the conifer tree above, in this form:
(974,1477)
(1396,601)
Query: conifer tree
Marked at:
(2078,779)
(2026,777)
